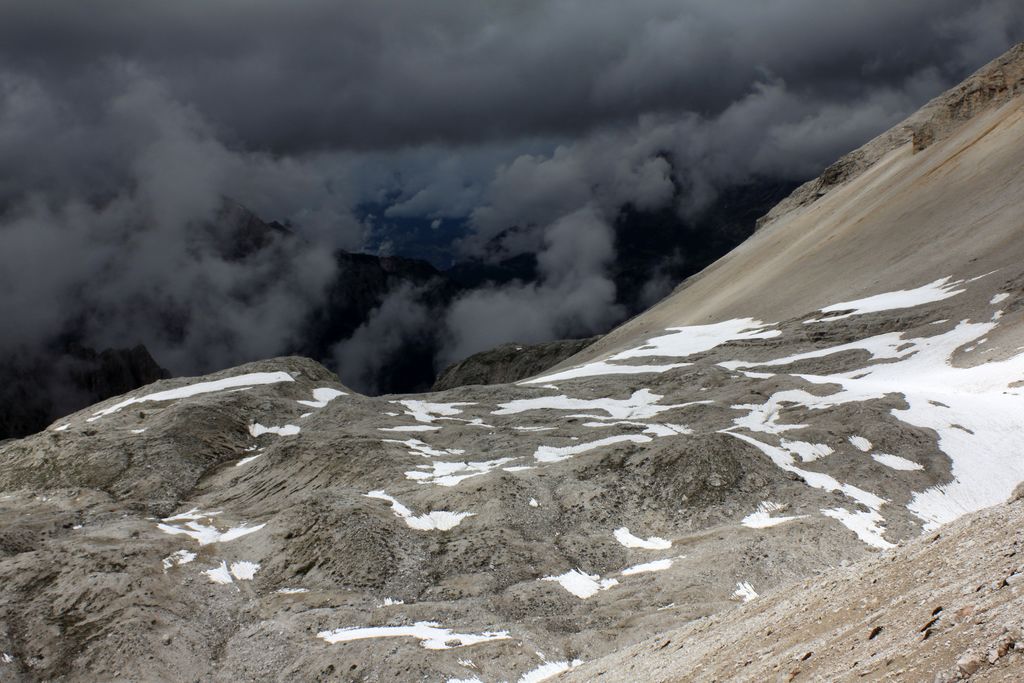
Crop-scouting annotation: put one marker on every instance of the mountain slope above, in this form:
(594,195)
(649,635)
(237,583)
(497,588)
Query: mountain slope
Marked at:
(946,607)
(845,380)
(912,215)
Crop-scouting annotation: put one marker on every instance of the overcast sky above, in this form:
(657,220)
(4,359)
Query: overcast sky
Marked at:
(122,123)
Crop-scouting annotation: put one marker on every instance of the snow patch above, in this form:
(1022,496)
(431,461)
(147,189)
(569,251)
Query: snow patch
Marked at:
(655,566)
(437,520)
(548,670)
(191,390)
(678,343)
(625,538)
(974,410)
(860,443)
(321,397)
(745,592)
(762,517)
(903,298)
(429,633)
(451,473)
(424,411)
(603,368)
(246,461)
(808,452)
(204,534)
(557,454)
(219,574)
(177,559)
(641,405)
(242,571)
(417,447)
(869,527)
(256,429)
(582,585)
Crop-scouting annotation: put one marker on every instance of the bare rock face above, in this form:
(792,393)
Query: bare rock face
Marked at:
(509,363)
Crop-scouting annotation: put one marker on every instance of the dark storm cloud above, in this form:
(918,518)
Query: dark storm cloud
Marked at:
(572,297)
(112,229)
(123,125)
(313,74)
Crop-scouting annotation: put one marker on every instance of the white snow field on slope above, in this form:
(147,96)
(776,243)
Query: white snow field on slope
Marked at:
(906,298)
(187,391)
(679,343)
(919,368)
(976,411)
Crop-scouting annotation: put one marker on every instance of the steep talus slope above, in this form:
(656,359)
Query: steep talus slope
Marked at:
(950,209)
(948,606)
(846,380)
(992,85)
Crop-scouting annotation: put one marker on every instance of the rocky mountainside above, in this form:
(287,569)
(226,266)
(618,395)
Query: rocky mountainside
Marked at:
(948,606)
(35,390)
(785,459)
(509,363)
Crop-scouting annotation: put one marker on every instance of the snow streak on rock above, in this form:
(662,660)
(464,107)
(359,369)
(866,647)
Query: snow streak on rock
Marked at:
(429,633)
(437,520)
(322,396)
(653,566)
(679,343)
(904,298)
(624,537)
(204,534)
(256,429)
(582,585)
(548,670)
(762,517)
(239,381)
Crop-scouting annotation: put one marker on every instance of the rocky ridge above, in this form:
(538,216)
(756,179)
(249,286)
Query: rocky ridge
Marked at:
(509,363)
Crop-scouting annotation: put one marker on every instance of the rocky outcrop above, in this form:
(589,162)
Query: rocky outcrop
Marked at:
(509,363)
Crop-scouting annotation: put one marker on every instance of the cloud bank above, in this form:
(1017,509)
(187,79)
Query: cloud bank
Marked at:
(535,122)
